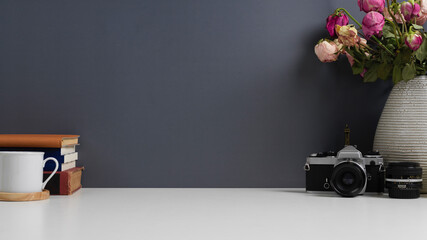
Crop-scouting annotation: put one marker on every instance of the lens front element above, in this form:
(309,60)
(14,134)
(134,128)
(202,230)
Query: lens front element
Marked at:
(348,179)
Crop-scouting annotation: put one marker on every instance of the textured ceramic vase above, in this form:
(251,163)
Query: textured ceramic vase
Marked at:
(402,129)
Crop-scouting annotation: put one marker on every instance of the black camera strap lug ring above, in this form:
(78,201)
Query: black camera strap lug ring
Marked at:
(307,167)
(381,168)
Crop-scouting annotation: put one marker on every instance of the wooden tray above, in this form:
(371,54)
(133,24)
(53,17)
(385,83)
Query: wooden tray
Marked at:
(19,197)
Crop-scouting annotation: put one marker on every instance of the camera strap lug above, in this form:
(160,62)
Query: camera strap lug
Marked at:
(381,168)
(307,167)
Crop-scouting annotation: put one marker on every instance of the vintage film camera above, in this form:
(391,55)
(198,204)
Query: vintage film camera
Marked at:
(349,173)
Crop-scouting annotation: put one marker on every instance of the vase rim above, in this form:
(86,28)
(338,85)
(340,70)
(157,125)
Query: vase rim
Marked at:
(420,77)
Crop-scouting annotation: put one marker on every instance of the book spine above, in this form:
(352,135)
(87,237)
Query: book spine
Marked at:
(64,187)
(48,152)
(64,182)
(38,140)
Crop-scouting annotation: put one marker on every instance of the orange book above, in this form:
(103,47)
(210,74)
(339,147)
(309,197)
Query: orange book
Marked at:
(38,140)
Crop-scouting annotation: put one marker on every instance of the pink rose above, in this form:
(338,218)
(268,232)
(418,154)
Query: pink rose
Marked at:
(413,40)
(409,10)
(422,15)
(332,20)
(371,5)
(326,51)
(373,24)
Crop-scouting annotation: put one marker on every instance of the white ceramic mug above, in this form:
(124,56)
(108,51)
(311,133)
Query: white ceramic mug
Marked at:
(22,172)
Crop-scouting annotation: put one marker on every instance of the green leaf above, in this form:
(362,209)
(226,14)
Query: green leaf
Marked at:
(384,70)
(418,27)
(421,53)
(357,68)
(397,74)
(409,72)
(403,57)
(420,69)
(388,31)
(390,46)
(372,74)
(385,57)
(359,54)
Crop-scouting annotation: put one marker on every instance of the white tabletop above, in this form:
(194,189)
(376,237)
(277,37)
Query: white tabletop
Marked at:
(132,213)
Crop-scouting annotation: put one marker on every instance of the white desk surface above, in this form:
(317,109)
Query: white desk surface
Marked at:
(233,213)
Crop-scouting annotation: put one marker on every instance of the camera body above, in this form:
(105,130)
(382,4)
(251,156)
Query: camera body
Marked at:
(349,173)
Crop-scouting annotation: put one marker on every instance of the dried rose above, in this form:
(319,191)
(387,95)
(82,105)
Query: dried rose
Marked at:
(373,24)
(371,5)
(347,35)
(409,10)
(326,51)
(335,19)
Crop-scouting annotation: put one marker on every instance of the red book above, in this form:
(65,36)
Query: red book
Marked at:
(64,182)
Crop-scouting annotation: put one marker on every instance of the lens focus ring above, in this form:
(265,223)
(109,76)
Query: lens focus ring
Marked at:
(348,179)
(404,179)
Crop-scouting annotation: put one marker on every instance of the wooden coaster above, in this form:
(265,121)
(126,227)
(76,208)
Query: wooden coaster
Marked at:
(19,197)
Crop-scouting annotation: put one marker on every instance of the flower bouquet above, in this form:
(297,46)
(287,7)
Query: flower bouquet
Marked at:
(390,42)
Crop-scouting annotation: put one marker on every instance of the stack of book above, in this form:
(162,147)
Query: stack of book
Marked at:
(67,179)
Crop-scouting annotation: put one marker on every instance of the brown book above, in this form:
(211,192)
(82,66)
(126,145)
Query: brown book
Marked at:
(64,182)
(38,140)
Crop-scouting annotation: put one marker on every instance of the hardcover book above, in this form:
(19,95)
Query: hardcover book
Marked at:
(64,182)
(48,152)
(50,166)
(38,140)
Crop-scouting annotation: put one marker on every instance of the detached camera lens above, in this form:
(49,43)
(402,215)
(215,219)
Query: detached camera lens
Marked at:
(348,179)
(404,179)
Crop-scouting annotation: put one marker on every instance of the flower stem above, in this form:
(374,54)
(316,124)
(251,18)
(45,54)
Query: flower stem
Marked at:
(360,25)
(395,33)
(395,26)
(348,14)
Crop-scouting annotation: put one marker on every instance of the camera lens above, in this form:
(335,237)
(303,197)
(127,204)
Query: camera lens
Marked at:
(348,179)
(404,179)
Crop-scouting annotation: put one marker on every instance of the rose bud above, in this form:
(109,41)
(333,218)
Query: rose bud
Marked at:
(332,20)
(409,10)
(371,5)
(413,40)
(347,35)
(373,24)
(326,51)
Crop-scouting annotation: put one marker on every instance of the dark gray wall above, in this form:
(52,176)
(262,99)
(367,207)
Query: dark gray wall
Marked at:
(190,93)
